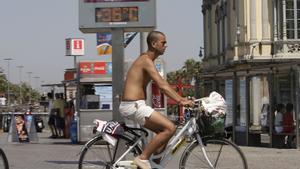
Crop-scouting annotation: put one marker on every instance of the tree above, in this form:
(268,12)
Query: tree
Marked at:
(190,72)
(27,93)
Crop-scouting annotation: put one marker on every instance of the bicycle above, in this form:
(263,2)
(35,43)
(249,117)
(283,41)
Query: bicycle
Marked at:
(3,160)
(201,151)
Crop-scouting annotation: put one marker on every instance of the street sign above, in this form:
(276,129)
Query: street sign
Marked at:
(131,15)
(74,47)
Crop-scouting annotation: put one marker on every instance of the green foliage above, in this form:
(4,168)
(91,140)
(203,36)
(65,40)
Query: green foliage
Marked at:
(18,92)
(190,72)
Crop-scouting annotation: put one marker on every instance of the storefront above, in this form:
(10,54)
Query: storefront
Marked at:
(252,92)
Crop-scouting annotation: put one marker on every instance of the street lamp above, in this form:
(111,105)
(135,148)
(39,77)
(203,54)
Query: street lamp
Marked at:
(29,83)
(36,82)
(29,78)
(8,92)
(20,76)
(200,52)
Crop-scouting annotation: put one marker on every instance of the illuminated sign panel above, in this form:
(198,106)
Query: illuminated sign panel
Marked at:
(74,47)
(95,67)
(131,15)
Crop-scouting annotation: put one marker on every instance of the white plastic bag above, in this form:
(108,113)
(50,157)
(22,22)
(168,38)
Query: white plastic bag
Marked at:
(214,105)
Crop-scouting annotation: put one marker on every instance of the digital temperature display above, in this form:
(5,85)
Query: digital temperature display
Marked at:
(117,14)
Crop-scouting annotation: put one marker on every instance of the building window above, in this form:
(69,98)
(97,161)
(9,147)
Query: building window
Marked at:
(292,19)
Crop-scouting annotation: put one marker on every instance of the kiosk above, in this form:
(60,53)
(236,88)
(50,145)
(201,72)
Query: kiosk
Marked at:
(94,96)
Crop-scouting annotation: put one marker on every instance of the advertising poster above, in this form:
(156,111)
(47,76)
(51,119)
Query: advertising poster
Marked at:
(93,68)
(229,99)
(104,47)
(243,102)
(21,128)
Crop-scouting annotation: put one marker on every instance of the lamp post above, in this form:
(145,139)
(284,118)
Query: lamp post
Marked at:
(36,82)
(200,52)
(29,84)
(42,82)
(29,78)
(20,78)
(8,92)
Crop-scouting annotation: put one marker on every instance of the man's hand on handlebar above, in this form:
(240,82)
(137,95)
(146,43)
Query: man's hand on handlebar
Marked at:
(187,102)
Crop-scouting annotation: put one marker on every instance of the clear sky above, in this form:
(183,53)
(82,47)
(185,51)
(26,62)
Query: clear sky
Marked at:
(33,34)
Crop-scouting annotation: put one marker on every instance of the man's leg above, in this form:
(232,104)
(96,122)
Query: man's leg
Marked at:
(164,130)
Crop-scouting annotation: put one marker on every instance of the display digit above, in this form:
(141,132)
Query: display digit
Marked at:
(116,15)
(133,14)
(103,15)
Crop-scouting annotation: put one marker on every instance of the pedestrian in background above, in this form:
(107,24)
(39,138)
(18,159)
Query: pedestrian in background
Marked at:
(278,123)
(59,106)
(288,124)
(52,117)
(70,110)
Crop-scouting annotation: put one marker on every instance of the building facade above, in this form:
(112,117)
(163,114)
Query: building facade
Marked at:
(252,57)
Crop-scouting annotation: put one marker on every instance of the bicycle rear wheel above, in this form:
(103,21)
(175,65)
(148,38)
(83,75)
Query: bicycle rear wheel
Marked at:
(222,153)
(99,154)
(3,160)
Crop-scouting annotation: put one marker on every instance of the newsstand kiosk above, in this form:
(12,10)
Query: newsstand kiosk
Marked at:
(94,96)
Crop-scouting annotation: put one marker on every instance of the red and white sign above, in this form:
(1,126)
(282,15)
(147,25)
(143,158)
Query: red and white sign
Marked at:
(74,47)
(92,68)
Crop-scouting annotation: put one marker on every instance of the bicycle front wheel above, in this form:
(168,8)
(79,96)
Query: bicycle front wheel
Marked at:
(221,153)
(99,154)
(3,160)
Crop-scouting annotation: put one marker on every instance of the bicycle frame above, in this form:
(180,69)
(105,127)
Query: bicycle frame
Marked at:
(174,145)
(190,129)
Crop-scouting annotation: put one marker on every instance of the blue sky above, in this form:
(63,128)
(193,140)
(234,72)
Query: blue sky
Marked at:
(33,34)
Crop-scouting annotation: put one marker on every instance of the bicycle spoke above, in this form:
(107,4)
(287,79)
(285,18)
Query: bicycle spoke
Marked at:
(97,156)
(222,154)
(101,155)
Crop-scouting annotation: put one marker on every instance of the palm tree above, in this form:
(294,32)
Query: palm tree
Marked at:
(189,70)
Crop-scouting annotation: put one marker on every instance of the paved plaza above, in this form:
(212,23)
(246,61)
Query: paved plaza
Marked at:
(61,154)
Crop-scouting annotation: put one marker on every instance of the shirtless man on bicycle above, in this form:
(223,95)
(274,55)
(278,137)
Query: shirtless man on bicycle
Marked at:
(133,100)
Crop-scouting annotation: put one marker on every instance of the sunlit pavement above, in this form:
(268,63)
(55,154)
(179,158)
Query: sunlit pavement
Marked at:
(61,154)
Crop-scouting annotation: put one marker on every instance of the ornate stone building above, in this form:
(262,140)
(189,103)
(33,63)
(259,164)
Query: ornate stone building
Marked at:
(252,57)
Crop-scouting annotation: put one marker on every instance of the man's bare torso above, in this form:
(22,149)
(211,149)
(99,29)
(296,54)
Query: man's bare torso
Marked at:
(137,80)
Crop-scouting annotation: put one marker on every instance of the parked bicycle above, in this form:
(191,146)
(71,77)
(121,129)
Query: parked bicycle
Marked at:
(202,136)
(3,160)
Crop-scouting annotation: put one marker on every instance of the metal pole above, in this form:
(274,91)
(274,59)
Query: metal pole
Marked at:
(29,85)
(75,62)
(29,78)
(20,88)
(117,70)
(36,83)
(8,93)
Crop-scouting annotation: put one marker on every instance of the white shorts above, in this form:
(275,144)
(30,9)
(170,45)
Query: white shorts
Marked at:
(135,110)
